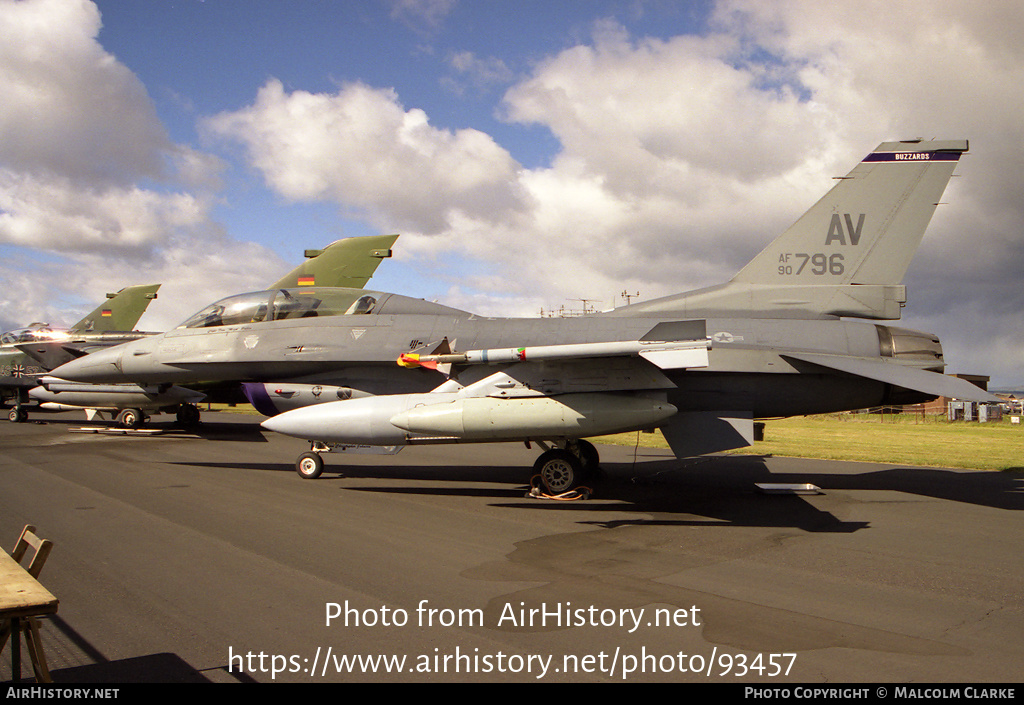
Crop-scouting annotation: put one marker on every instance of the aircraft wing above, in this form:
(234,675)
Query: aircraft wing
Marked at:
(898,375)
(52,354)
(346,263)
(121,312)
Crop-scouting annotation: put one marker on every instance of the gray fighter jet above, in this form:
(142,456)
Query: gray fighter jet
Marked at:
(345,263)
(797,331)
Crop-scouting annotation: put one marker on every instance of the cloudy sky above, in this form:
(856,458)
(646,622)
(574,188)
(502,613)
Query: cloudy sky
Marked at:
(531,154)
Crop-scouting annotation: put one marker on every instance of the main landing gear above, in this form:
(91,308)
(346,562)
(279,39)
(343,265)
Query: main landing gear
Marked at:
(188,415)
(131,418)
(564,468)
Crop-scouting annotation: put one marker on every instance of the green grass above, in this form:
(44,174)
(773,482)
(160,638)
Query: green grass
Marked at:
(904,439)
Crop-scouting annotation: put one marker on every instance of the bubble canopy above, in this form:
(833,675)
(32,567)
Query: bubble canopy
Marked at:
(282,304)
(34,333)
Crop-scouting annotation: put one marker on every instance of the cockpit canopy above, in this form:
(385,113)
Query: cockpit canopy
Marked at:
(34,333)
(281,304)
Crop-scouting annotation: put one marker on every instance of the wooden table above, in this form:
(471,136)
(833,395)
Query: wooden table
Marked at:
(22,597)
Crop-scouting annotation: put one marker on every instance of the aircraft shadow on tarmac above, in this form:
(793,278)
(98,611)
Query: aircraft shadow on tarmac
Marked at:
(245,432)
(721,489)
(225,427)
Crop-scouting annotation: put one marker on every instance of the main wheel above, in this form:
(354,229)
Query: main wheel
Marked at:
(130,418)
(309,466)
(589,457)
(188,415)
(559,470)
(17,415)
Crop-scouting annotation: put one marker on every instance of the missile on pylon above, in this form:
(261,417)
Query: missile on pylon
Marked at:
(665,354)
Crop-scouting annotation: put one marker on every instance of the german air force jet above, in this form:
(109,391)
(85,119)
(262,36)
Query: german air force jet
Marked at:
(794,332)
(345,263)
(28,353)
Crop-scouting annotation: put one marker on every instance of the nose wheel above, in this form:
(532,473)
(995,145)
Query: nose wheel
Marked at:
(309,466)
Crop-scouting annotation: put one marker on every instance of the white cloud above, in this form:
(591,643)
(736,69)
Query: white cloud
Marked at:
(87,170)
(69,108)
(361,149)
(421,14)
(479,73)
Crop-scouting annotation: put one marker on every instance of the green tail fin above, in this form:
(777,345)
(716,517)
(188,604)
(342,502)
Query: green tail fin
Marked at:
(121,311)
(345,263)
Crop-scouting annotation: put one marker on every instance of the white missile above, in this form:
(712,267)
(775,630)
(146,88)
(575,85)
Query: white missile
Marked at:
(664,354)
(424,418)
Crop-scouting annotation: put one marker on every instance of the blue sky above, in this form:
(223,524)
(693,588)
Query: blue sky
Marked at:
(529,153)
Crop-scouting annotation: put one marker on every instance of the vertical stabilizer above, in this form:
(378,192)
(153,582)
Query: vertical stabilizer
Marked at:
(346,263)
(847,255)
(867,228)
(121,311)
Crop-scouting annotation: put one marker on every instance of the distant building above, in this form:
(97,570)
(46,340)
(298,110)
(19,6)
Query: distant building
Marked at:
(941,405)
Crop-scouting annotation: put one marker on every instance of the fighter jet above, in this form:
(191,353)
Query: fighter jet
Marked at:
(797,331)
(27,353)
(344,263)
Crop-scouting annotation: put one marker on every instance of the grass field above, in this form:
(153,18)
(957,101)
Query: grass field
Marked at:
(904,439)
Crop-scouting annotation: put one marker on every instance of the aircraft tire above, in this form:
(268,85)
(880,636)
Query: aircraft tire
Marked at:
(309,466)
(130,418)
(590,459)
(559,470)
(17,415)
(188,415)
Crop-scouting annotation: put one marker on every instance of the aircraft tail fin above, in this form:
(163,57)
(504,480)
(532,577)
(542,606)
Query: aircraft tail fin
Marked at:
(847,255)
(121,311)
(867,228)
(346,263)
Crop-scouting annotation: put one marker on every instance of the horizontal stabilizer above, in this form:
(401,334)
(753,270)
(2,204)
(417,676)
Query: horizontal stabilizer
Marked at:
(934,383)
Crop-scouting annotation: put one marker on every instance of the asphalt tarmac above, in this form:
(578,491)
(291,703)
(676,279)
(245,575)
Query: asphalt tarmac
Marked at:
(186,557)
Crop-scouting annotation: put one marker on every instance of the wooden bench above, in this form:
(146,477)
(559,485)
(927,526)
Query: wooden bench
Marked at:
(22,600)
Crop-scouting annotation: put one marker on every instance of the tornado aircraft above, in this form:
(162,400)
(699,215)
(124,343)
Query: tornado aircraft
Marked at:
(28,353)
(804,328)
